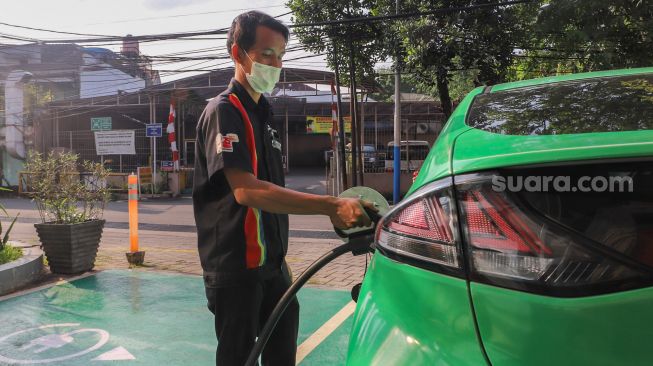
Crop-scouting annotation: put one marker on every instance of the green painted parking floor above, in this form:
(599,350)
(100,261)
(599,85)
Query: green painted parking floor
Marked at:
(143,318)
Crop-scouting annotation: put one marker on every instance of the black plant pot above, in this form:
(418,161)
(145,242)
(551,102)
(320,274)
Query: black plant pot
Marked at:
(70,248)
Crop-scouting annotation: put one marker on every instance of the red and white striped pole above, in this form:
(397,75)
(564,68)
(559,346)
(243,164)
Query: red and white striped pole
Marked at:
(172,136)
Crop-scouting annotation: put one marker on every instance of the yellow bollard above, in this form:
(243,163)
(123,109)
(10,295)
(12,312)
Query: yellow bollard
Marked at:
(134,256)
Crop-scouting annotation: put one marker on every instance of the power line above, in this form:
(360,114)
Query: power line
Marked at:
(221,31)
(189,14)
(53,31)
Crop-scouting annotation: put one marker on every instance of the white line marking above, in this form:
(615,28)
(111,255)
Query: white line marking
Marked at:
(116,354)
(324,331)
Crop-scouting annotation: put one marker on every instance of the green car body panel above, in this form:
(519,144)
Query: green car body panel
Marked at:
(606,330)
(478,150)
(411,316)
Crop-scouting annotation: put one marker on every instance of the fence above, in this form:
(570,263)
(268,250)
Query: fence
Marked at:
(83,144)
(377,141)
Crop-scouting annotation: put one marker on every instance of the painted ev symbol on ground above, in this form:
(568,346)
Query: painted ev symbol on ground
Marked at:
(46,344)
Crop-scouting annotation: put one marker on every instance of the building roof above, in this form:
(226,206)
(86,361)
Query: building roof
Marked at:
(210,84)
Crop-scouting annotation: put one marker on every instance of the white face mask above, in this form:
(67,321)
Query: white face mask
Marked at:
(262,78)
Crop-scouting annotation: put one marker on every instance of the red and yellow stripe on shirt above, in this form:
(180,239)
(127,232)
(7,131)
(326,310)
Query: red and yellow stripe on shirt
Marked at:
(255,244)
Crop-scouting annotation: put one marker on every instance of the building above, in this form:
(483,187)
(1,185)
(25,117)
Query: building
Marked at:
(34,74)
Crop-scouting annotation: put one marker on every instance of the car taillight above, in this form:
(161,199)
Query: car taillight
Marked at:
(510,243)
(422,228)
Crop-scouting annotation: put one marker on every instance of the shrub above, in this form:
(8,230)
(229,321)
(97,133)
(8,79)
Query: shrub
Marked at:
(9,254)
(66,191)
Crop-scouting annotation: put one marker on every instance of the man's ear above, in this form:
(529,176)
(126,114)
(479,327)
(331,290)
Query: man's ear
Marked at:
(235,53)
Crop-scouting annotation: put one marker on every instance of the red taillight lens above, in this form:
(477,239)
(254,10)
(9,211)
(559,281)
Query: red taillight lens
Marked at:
(419,220)
(422,228)
(506,231)
(502,242)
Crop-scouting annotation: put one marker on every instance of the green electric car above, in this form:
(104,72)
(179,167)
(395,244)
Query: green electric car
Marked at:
(527,238)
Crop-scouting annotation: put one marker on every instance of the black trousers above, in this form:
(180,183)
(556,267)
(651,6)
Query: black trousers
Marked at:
(241,312)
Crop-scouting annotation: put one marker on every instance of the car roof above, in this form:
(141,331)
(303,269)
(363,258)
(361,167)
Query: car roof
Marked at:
(477,149)
(461,149)
(568,77)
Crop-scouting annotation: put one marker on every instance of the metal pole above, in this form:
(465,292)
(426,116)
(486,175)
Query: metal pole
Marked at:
(154,169)
(396,191)
(285,133)
(376,127)
(354,120)
(361,137)
(154,165)
(341,124)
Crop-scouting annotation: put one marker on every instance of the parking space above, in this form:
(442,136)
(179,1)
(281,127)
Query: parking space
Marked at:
(145,318)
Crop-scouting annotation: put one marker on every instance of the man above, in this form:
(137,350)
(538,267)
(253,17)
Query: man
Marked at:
(241,204)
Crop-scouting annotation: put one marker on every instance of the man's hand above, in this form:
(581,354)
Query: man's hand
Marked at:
(349,213)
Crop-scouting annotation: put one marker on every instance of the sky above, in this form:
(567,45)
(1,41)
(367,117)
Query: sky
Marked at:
(141,17)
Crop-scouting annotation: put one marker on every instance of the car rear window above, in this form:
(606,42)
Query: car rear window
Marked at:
(618,215)
(608,104)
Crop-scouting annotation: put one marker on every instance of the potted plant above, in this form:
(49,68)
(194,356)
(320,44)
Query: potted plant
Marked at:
(70,197)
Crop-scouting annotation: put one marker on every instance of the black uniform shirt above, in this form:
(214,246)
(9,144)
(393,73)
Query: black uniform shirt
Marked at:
(236,243)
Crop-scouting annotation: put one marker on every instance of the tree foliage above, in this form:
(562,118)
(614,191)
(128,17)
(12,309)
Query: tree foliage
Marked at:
(448,53)
(366,40)
(576,36)
(439,45)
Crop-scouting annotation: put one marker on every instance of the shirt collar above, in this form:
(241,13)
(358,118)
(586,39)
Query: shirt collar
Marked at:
(263,105)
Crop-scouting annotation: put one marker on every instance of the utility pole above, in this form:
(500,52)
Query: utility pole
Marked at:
(354,120)
(396,191)
(341,124)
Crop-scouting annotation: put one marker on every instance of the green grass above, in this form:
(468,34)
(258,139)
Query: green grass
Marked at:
(9,254)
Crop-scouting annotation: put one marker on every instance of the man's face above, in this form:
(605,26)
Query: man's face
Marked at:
(269,49)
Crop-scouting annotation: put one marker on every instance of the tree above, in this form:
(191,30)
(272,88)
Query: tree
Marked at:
(577,36)
(460,83)
(356,46)
(441,44)
(366,39)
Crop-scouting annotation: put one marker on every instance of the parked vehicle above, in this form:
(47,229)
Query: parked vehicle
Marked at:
(413,153)
(373,160)
(472,268)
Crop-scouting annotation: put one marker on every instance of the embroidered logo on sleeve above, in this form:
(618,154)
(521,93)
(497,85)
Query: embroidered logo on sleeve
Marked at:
(225,142)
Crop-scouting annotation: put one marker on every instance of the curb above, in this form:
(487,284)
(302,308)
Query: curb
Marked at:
(21,272)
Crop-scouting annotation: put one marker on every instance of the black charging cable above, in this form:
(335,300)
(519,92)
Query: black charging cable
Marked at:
(358,243)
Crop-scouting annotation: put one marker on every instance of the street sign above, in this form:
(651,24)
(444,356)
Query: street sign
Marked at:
(144,174)
(167,166)
(154,130)
(101,124)
(118,142)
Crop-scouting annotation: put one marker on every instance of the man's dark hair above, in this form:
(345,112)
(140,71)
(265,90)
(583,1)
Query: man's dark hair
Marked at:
(243,29)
